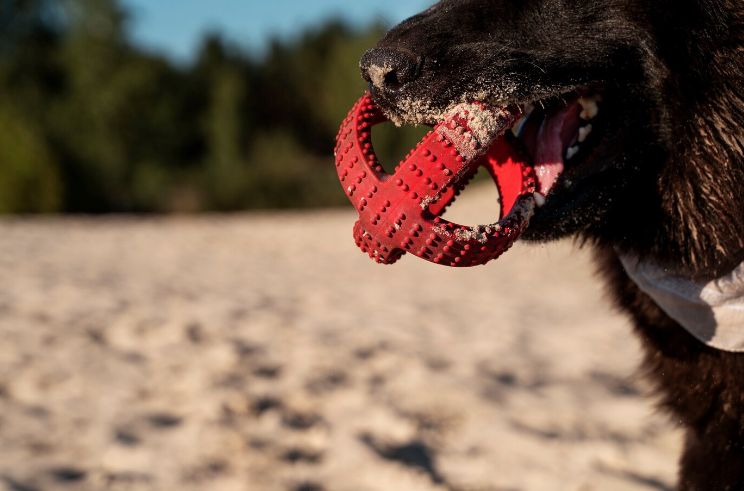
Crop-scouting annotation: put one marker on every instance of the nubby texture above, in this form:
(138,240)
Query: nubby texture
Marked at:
(401,212)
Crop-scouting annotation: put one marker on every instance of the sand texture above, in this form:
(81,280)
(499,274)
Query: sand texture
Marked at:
(265,352)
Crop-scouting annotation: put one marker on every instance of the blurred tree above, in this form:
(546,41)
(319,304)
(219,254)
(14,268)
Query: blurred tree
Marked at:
(226,88)
(29,181)
(30,30)
(89,123)
(115,115)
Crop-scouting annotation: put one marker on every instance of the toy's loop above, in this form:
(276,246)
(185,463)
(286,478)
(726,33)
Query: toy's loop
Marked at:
(400,213)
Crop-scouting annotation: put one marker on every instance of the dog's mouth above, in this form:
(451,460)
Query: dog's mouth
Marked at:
(561,134)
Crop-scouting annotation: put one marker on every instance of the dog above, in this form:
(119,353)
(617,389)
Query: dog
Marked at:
(637,138)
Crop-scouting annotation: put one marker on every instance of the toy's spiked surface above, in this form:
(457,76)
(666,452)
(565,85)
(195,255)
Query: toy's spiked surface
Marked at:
(400,213)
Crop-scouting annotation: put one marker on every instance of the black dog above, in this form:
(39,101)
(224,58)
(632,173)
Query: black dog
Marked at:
(638,142)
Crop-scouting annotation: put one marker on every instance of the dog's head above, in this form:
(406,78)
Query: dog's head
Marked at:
(621,94)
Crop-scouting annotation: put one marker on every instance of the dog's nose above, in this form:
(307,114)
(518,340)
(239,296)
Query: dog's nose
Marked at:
(389,69)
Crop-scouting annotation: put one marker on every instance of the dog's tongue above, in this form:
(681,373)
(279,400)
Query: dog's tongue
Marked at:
(548,138)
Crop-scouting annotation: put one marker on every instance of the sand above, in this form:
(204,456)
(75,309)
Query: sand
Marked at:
(265,352)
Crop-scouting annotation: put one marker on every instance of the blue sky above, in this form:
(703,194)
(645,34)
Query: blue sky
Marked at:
(174,27)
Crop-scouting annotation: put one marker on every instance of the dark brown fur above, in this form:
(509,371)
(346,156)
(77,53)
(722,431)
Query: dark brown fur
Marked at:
(699,386)
(666,185)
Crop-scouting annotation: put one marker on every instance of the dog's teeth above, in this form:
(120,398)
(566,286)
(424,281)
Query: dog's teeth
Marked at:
(571,152)
(589,107)
(584,132)
(539,199)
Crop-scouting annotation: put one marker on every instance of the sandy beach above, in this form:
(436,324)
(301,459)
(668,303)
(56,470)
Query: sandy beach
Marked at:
(265,352)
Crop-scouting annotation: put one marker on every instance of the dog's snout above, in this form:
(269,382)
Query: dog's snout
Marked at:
(390,69)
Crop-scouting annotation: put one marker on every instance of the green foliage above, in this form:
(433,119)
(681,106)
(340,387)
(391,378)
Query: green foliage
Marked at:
(97,125)
(29,181)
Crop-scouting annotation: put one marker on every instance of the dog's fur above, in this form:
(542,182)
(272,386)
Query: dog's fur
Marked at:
(664,184)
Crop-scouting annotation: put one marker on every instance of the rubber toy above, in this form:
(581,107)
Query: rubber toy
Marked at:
(402,213)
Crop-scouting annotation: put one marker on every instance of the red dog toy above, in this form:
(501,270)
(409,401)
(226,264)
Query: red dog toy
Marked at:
(400,213)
